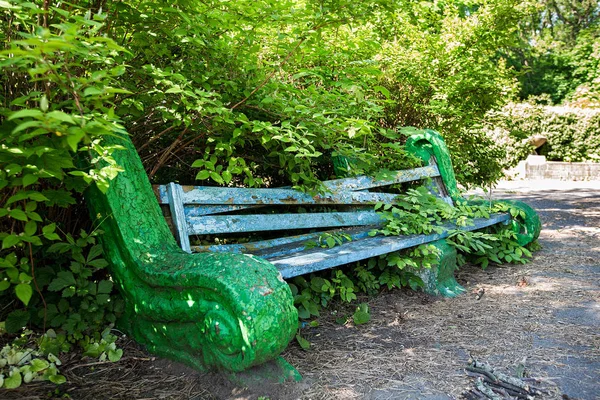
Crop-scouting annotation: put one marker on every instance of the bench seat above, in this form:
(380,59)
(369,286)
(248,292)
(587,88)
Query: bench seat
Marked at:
(223,305)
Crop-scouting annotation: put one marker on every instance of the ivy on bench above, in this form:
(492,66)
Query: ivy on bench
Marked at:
(227,307)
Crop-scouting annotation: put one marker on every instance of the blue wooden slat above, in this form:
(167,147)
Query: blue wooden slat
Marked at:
(174,194)
(272,222)
(280,246)
(160,191)
(319,259)
(162,196)
(366,182)
(251,248)
(245,196)
(222,197)
(197,211)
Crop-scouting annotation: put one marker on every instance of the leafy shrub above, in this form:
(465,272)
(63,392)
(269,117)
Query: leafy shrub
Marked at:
(443,72)
(59,80)
(573,134)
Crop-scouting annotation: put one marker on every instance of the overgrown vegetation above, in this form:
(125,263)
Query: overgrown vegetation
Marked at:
(416,212)
(572,134)
(253,93)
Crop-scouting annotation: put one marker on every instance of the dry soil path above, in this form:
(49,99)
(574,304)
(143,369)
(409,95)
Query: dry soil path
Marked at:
(545,314)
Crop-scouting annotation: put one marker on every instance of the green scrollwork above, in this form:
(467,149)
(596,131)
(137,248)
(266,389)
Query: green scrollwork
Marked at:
(527,228)
(426,144)
(210,311)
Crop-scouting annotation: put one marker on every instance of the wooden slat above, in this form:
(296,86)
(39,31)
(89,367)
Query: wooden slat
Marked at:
(162,196)
(174,194)
(366,182)
(223,197)
(272,222)
(281,246)
(245,196)
(319,259)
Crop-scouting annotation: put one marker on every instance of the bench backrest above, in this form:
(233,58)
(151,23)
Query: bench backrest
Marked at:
(202,210)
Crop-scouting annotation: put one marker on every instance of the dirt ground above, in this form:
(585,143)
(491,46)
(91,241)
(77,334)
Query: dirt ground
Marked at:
(544,315)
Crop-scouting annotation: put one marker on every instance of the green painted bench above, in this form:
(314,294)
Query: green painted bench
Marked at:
(227,306)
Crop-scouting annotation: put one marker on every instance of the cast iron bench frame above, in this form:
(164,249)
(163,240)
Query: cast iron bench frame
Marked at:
(231,310)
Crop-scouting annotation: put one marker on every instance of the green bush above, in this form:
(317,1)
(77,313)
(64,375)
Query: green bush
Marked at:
(573,134)
(59,85)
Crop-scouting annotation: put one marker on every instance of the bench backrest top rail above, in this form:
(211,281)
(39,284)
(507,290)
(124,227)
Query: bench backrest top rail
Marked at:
(247,196)
(343,191)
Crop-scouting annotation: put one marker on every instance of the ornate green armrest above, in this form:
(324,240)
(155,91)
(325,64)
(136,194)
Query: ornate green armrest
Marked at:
(428,143)
(210,311)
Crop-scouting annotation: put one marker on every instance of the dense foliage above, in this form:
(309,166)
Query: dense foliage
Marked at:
(572,134)
(559,49)
(254,93)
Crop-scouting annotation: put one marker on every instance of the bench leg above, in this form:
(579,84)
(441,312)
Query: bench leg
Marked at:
(439,279)
(528,228)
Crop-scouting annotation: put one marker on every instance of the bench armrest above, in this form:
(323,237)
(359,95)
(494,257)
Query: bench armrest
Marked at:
(211,311)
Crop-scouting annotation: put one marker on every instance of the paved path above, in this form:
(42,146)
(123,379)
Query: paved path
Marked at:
(571,235)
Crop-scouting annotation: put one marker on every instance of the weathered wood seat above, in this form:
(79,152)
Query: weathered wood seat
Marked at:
(347,207)
(199,211)
(226,306)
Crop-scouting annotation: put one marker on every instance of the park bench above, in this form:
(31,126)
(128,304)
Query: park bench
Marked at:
(226,305)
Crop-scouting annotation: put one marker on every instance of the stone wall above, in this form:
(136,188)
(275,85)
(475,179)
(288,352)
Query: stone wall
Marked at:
(536,167)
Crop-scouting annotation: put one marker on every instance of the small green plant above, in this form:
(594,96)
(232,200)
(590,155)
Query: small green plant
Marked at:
(102,346)
(362,314)
(328,240)
(23,362)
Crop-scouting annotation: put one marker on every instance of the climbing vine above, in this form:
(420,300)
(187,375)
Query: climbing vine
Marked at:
(415,212)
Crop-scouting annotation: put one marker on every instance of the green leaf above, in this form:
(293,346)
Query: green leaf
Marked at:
(57,379)
(115,355)
(305,344)
(10,241)
(330,242)
(63,279)
(30,228)
(24,114)
(17,197)
(303,313)
(24,292)
(29,179)
(98,263)
(74,139)
(216,177)
(44,103)
(361,317)
(202,175)
(49,228)
(37,364)
(61,116)
(92,91)
(61,198)
(35,196)
(226,176)
(18,214)
(105,286)
(14,380)
(4,285)
(383,91)
(95,251)
(16,320)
